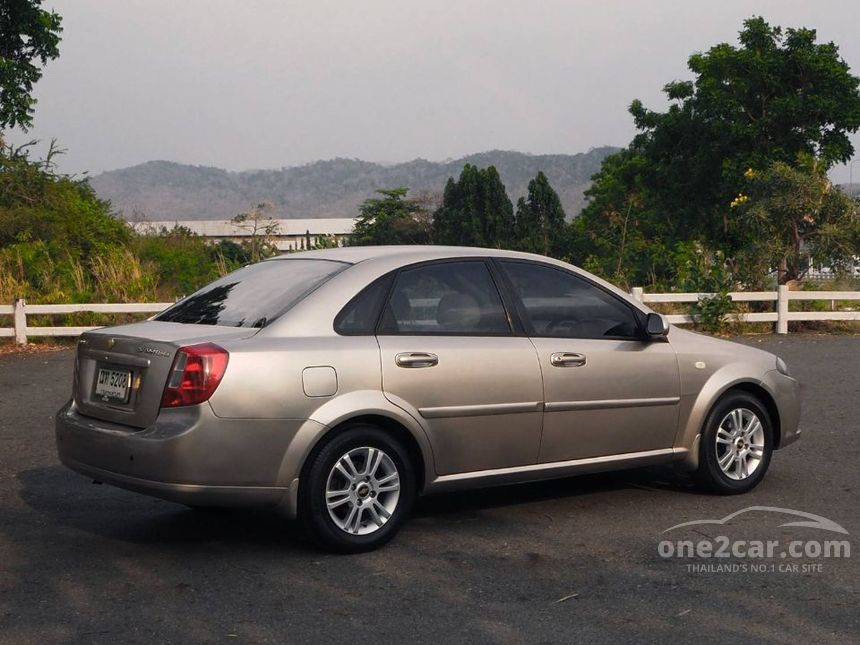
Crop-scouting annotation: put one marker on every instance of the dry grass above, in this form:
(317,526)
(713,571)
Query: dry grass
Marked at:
(8,346)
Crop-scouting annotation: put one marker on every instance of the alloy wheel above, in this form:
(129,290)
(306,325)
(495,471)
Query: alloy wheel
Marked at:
(362,490)
(740,443)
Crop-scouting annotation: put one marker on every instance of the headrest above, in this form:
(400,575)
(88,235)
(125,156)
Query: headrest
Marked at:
(458,311)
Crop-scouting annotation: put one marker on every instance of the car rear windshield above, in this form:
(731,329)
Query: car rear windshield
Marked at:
(254,295)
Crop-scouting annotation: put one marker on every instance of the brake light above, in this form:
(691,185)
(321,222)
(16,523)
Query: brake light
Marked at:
(197,371)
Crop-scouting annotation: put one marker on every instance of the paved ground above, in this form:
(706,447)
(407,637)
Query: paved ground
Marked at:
(87,563)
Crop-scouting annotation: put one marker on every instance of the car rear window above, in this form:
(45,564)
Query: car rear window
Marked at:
(254,295)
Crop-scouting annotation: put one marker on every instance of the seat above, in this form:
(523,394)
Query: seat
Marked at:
(458,312)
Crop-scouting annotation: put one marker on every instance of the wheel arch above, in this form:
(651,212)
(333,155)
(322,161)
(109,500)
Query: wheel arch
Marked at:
(390,425)
(766,399)
(359,406)
(723,381)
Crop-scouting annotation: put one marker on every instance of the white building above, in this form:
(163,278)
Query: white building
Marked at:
(292,235)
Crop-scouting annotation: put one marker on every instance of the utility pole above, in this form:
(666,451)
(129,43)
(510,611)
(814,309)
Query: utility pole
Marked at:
(851,177)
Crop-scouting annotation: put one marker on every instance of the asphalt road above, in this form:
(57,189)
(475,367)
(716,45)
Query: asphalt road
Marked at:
(571,560)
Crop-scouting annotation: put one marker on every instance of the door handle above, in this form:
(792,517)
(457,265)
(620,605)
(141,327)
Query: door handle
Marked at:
(416,359)
(567,359)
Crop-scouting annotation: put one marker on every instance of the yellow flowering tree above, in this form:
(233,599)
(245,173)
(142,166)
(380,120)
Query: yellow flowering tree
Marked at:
(794,216)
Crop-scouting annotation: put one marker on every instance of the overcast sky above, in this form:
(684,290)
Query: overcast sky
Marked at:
(261,84)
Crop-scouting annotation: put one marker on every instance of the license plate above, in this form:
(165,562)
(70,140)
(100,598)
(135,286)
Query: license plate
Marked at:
(113,386)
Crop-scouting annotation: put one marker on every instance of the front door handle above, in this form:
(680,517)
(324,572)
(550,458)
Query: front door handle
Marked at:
(416,359)
(567,359)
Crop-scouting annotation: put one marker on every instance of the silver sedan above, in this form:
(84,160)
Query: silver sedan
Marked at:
(340,384)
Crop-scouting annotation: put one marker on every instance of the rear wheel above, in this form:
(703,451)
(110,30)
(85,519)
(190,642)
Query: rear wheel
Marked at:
(357,490)
(736,445)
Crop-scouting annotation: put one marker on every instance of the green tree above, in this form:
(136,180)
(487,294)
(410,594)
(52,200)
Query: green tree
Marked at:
(29,35)
(778,96)
(795,217)
(52,229)
(540,219)
(475,211)
(36,203)
(618,235)
(391,219)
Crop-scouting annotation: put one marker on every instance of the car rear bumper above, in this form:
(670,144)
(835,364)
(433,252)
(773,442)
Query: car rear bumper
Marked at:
(188,455)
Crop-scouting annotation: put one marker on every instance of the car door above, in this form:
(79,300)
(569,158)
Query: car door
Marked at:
(449,357)
(607,389)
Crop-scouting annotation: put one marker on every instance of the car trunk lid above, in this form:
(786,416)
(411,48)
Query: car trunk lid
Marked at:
(120,372)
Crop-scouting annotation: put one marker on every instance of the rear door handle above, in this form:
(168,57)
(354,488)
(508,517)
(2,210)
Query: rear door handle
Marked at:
(567,359)
(416,359)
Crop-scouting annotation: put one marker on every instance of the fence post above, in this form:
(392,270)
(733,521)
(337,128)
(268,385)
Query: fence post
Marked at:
(20,321)
(636,292)
(782,309)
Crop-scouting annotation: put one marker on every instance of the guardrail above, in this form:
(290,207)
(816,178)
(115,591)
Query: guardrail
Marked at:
(781,315)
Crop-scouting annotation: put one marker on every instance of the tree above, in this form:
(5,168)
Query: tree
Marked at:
(261,228)
(618,235)
(540,218)
(28,35)
(475,211)
(36,203)
(797,217)
(776,97)
(391,219)
(53,230)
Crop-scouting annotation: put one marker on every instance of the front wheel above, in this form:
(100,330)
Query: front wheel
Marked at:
(736,445)
(358,490)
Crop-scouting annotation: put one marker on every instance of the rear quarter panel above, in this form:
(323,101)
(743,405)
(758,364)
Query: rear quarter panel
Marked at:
(264,380)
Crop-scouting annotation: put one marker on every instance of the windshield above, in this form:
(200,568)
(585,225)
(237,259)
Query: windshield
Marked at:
(254,295)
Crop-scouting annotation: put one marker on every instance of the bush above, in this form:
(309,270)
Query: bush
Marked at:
(181,261)
(704,271)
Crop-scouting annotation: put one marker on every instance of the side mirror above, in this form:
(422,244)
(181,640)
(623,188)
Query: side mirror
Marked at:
(656,326)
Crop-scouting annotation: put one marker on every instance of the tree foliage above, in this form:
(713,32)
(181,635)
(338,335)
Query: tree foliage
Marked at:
(261,227)
(475,211)
(391,219)
(540,219)
(796,217)
(60,243)
(38,204)
(29,36)
(776,97)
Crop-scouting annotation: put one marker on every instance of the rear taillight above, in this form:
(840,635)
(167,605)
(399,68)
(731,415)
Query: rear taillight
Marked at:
(196,373)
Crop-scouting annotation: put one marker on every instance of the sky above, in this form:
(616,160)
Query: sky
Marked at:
(242,84)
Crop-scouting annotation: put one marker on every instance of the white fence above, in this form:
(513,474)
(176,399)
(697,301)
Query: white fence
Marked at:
(780,315)
(20,310)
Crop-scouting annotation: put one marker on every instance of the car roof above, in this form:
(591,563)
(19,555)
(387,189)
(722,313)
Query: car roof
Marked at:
(412,253)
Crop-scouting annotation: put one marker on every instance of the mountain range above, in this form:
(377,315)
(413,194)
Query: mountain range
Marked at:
(164,190)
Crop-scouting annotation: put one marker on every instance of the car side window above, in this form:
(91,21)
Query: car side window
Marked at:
(559,304)
(359,316)
(456,298)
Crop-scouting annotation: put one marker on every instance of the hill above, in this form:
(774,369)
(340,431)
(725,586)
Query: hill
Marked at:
(163,190)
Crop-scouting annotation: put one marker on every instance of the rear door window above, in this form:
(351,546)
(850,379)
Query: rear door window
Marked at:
(447,298)
(254,295)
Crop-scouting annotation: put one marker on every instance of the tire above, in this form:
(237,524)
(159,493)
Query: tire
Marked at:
(377,480)
(743,465)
